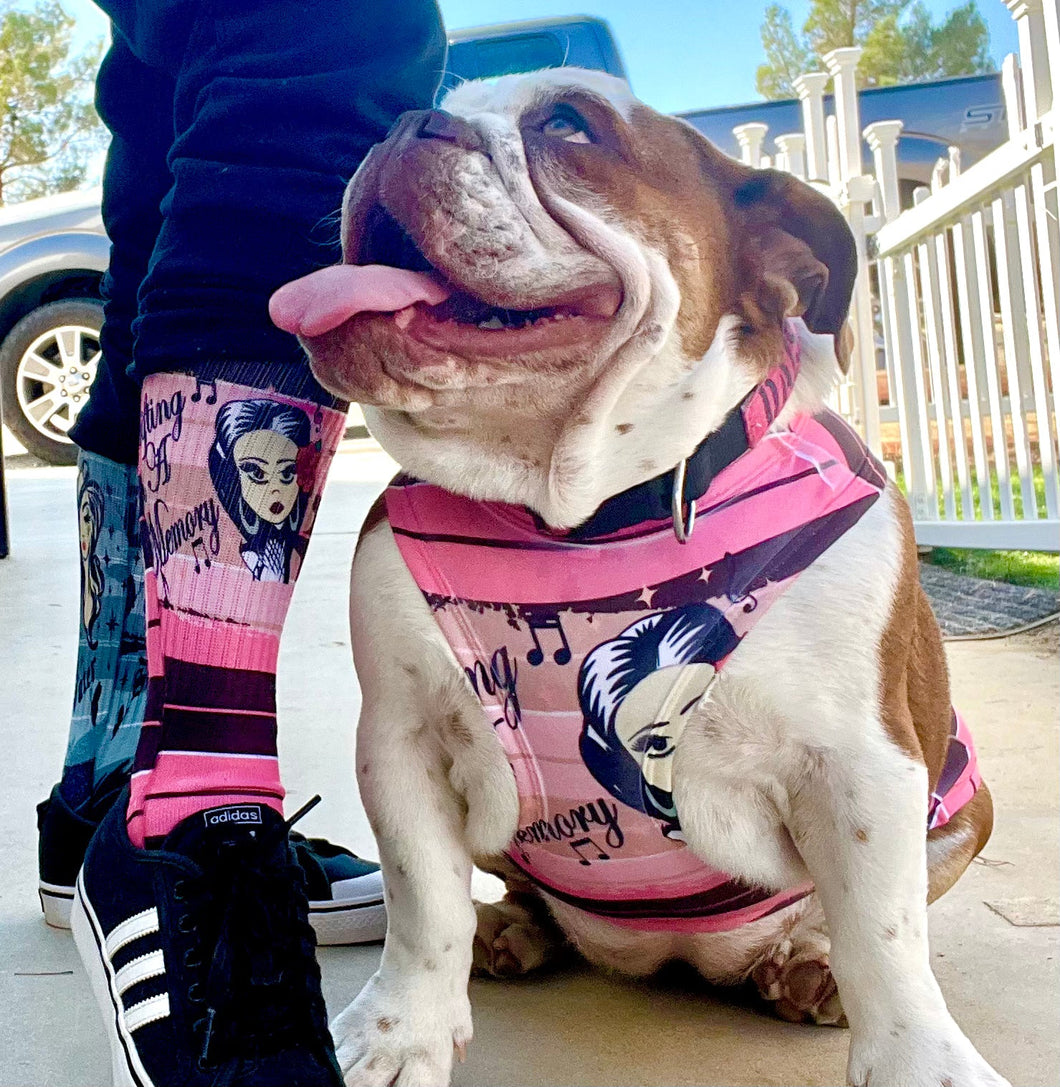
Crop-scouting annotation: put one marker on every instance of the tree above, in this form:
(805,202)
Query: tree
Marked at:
(49,128)
(900,42)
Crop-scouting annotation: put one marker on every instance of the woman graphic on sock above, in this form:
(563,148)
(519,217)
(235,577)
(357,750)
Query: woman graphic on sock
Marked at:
(90,524)
(254,465)
(637,693)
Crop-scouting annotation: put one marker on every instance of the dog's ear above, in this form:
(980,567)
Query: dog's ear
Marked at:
(792,234)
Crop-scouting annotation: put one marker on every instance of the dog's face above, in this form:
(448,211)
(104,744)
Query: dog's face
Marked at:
(594,268)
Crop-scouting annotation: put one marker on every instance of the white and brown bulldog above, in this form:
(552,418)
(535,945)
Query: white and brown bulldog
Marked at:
(578,296)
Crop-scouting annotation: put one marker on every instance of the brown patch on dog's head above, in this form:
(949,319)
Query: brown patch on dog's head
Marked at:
(760,244)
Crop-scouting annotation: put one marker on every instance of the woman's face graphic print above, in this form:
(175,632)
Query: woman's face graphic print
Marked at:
(638,693)
(86,528)
(268,473)
(254,468)
(89,527)
(652,718)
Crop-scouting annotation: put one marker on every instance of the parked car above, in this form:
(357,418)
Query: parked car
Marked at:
(53,251)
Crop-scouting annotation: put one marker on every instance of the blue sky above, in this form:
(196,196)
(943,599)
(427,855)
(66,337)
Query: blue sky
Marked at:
(680,54)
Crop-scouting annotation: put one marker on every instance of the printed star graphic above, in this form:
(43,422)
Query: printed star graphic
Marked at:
(647,595)
(106,559)
(112,624)
(704,575)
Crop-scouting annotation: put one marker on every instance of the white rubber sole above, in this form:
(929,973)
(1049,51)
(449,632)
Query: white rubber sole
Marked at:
(55,901)
(345,922)
(126,1069)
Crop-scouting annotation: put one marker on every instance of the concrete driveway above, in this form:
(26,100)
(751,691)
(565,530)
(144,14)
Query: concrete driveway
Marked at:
(994,937)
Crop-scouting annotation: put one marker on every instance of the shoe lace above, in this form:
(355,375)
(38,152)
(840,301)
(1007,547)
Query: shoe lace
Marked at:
(262,985)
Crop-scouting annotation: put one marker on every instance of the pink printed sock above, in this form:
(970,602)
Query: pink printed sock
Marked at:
(231,478)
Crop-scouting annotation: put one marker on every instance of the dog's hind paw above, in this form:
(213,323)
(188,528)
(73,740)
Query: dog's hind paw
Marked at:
(799,986)
(509,941)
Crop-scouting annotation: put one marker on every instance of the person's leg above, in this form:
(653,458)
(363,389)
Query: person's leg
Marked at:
(231,470)
(275,108)
(111,668)
(111,672)
(197,945)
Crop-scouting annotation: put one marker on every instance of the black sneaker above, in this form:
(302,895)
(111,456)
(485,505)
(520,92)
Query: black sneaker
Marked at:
(345,892)
(63,834)
(201,956)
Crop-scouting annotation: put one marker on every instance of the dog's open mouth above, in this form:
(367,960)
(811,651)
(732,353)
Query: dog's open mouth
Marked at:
(392,276)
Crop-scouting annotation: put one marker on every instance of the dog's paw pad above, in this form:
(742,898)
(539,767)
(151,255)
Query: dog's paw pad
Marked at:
(508,943)
(517,950)
(801,989)
(766,975)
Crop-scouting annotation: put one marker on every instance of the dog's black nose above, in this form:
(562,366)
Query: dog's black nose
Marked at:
(439,125)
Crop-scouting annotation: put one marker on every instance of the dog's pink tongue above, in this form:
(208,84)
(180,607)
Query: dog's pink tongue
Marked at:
(322,300)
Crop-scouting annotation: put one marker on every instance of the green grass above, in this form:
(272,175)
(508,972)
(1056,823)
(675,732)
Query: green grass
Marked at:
(1037,479)
(1037,569)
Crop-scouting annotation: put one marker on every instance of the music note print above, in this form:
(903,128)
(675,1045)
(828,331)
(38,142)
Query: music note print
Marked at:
(211,396)
(580,843)
(537,655)
(195,545)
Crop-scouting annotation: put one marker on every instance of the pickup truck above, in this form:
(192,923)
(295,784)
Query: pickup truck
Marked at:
(53,251)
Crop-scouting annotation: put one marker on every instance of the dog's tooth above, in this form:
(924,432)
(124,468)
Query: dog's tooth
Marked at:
(403,317)
(493,322)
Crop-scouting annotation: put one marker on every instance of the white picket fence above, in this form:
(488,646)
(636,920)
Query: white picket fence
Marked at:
(963,290)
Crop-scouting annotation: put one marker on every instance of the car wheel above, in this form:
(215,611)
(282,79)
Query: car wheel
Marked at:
(47,363)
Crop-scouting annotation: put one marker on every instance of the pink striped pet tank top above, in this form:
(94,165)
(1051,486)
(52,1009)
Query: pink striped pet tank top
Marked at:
(589,655)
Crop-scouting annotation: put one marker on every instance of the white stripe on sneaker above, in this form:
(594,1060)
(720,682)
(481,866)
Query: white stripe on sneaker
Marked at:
(151,965)
(147,1011)
(132,928)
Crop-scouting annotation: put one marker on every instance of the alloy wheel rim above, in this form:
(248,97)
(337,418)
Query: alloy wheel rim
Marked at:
(53,378)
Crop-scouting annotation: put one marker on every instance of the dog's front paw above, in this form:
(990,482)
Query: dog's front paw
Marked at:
(916,1056)
(402,1031)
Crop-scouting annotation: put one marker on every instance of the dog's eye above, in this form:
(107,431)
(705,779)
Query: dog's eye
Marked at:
(566,123)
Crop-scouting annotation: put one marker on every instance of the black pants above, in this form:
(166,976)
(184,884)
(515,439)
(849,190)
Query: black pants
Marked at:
(236,125)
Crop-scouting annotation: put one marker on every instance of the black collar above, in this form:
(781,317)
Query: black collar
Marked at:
(742,428)
(653,499)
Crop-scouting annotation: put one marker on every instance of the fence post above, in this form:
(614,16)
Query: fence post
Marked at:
(954,155)
(842,64)
(1052,43)
(810,89)
(1012,95)
(831,129)
(1034,55)
(855,190)
(790,152)
(882,138)
(750,137)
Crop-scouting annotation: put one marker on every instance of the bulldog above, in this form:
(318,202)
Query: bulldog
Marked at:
(640,626)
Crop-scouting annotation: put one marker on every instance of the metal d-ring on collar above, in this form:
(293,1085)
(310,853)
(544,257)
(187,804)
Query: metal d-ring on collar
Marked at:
(682,525)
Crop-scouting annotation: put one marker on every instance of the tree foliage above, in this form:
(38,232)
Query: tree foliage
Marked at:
(900,42)
(49,128)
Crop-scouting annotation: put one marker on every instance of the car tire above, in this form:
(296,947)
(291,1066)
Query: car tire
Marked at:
(47,362)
